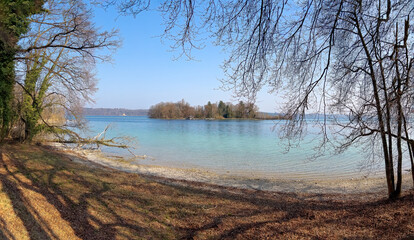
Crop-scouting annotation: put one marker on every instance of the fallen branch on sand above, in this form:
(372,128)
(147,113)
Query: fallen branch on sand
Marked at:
(71,137)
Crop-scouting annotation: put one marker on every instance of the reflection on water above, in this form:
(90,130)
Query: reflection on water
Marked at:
(235,146)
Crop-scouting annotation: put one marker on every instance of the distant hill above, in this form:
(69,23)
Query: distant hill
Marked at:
(114,112)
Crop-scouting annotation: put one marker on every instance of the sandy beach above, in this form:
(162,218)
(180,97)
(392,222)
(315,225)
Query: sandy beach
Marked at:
(354,185)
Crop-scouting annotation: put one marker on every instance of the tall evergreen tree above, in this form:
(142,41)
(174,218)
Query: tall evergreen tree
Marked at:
(209,110)
(229,112)
(222,109)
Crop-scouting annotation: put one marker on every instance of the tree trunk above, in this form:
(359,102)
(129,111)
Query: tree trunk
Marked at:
(389,170)
(412,161)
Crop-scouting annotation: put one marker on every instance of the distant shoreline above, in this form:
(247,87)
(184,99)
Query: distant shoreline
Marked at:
(219,119)
(114,112)
(208,119)
(117,112)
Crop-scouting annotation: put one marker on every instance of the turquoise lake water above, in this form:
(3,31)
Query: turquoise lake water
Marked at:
(247,147)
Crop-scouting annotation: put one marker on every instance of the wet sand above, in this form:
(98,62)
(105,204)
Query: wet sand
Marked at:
(355,185)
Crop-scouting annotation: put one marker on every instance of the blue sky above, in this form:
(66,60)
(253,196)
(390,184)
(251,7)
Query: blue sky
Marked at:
(145,70)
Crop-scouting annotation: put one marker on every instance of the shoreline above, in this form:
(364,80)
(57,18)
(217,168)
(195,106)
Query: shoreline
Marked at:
(353,185)
(48,193)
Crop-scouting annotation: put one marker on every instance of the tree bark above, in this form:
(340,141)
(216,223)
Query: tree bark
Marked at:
(389,170)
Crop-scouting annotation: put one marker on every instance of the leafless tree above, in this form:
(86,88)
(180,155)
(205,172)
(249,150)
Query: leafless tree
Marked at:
(342,56)
(57,58)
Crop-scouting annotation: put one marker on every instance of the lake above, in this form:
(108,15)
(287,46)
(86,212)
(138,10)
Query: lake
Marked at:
(239,147)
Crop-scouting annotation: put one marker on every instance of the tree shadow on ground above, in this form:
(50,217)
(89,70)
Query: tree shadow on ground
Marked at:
(287,215)
(24,211)
(74,203)
(97,203)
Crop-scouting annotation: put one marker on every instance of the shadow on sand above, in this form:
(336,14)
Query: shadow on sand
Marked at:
(50,197)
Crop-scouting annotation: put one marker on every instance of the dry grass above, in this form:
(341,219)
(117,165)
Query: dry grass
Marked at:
(44,195)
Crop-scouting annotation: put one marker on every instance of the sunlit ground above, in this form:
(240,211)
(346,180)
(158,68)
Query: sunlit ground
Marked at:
(45,195)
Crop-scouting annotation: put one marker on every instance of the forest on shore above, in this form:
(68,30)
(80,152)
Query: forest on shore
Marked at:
(220,110)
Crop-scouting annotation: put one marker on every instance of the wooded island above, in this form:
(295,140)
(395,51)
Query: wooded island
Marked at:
(220,110)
